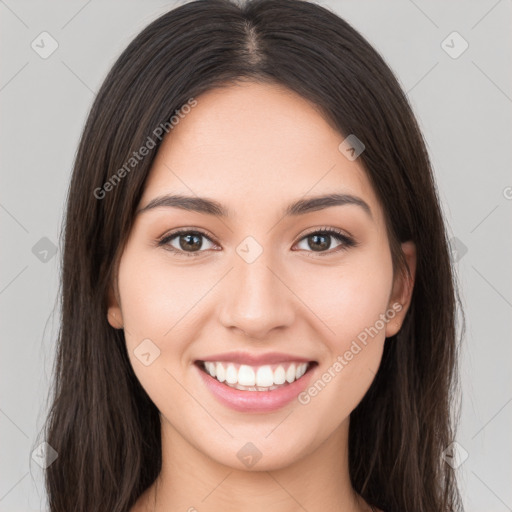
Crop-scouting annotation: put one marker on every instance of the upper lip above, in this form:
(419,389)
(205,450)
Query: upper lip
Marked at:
(256,359)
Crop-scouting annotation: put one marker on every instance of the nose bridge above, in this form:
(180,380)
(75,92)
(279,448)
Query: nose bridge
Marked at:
(256,300)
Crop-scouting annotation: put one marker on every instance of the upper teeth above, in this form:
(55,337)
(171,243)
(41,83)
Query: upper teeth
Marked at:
(262,376)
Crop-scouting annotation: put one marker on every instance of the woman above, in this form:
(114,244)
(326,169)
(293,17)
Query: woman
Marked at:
(258,305)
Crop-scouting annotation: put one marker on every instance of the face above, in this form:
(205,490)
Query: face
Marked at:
(259,288)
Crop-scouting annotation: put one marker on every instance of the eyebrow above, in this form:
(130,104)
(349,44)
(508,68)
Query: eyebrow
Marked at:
(211,207)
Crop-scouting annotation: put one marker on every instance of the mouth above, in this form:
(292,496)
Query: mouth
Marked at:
(262,378)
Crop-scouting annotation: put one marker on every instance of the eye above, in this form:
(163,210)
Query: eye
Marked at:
(188,242)
(320,241)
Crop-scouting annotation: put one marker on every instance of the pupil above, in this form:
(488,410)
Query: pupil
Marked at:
(196,245)
(325,245)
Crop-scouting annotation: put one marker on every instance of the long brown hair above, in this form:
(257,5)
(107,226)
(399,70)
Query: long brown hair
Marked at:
(102,424)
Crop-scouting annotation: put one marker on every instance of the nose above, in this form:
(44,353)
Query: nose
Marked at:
(256,299)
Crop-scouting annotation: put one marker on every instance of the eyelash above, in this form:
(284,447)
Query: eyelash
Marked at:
(346,241)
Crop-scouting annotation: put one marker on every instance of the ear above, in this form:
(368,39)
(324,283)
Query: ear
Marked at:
(403,286)
(114,314)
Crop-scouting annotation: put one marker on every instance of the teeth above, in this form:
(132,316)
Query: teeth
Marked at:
(300,371)
(290,373)
(210,367)
(246,376)
(262,378)
(265,376)
(220,372)
(279,375)
(231,375)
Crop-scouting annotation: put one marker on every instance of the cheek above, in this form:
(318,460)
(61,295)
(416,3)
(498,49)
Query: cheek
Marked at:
(351,304)
(349,298)
(156,295)
(157,305)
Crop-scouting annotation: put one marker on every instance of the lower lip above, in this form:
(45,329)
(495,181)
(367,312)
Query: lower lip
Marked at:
(255,401)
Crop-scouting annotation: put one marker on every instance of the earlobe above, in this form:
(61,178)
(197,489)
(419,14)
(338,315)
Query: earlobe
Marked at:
(402,290)
(114,315)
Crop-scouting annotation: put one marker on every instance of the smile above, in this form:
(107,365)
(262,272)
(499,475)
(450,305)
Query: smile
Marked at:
(247,388)
(255,378)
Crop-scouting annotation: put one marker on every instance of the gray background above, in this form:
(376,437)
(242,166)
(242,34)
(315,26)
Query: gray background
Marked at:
(463,105)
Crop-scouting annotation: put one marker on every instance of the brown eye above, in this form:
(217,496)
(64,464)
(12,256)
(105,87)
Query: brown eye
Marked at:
(320,241)
(184,242)
(190,242)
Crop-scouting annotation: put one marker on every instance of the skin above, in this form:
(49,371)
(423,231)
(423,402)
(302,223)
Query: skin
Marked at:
(256,148)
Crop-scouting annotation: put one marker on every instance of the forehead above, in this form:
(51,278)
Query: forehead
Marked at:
(254,146)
